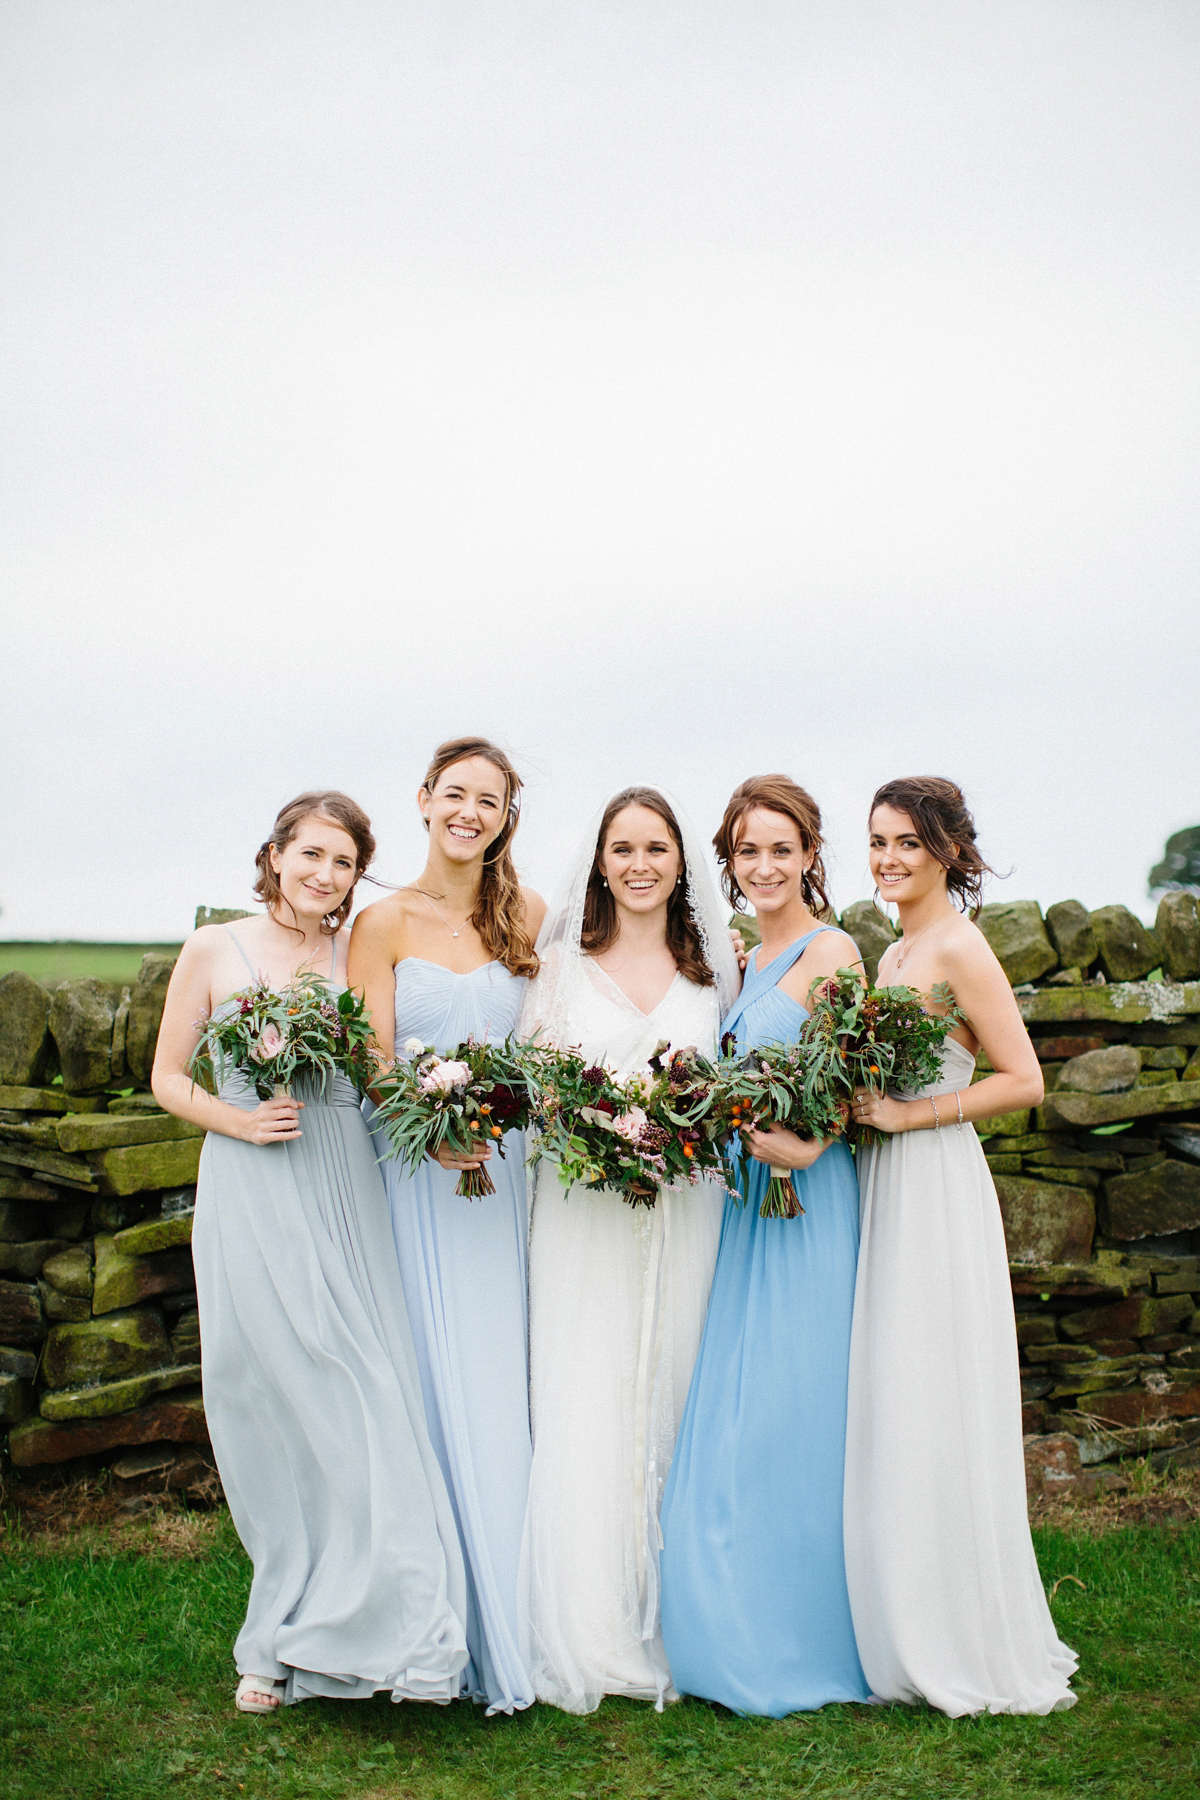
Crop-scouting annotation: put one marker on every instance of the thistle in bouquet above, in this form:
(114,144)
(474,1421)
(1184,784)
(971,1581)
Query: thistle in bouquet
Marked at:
(767,1086)
(858,1036)
(462,1101)
(682,1093)
(272,1035)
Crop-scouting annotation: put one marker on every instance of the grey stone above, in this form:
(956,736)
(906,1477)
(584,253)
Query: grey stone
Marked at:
(1016,932)
(100,1400)
(141,1168)
(24,1039)
(1045,1222)
(1164,1056)
(155,1234)
(142,1105)
(120,1070)
(81,1023)
(19,1219)
(1151,1203)
(63,1309)
(122,1281)
(128,1343)
(1127,949)
(185,1339)
(871,930)
(23,1261)
(18,1362)
(145,1015)
(219,915)
(71,1271)
(1109,1071)
(1177,928)
(16,1399)
(1069,928)
(116,1131)
(178,1418)
(22,1320)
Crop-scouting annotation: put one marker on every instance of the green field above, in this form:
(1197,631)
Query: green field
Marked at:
(55,962)
(117,1684)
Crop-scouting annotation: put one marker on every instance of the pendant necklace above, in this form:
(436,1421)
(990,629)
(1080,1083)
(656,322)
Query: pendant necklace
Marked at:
(907,944)
(441,915)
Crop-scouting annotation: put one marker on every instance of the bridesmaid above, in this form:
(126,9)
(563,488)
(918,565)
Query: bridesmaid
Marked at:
(755,1609)
(948,1603)
(310,1379)
(442,959)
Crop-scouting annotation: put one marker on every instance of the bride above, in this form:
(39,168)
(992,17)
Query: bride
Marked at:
(634,952)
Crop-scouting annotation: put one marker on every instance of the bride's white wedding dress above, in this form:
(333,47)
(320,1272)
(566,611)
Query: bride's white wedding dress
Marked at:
(618,1296)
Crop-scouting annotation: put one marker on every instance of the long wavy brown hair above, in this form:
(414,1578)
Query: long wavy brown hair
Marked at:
(600,909)
(779,794)
(337,809)
(499,915)
(943,822)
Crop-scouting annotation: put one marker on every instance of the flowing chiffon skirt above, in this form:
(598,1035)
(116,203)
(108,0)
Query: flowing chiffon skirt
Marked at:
(315,1411)
(947,1599)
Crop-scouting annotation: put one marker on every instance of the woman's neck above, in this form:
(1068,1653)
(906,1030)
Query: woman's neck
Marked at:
(283,926)
(455,884)
(638,934)
(779,929)
(915,916)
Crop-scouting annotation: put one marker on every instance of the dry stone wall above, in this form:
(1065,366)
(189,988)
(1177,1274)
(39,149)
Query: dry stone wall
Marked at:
(1099,1189)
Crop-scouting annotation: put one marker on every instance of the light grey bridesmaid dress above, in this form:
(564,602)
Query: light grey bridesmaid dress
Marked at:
(315,1410)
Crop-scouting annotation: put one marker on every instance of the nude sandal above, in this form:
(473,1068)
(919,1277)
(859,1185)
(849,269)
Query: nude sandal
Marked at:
(256,1694)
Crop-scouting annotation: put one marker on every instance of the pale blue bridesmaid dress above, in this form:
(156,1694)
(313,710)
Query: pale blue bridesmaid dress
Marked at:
(462,1263)
(755,1611)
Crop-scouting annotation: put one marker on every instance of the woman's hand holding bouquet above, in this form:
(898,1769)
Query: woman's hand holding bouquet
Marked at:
(456,1106)
(272,1035)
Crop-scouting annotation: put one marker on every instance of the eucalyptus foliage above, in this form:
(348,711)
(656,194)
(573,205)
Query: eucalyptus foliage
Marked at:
(271,1035)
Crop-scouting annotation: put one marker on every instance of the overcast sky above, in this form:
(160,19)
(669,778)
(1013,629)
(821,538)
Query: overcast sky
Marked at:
(673,392)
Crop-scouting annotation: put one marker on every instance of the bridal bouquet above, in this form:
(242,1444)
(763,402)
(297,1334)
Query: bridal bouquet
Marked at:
(274,1034)
(767,1086)
(635,1135)
(463,1100)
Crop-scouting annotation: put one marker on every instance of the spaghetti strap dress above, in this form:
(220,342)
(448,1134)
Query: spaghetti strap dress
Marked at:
(948,1602)
(755,1609)
(314,1408)
(462,1263)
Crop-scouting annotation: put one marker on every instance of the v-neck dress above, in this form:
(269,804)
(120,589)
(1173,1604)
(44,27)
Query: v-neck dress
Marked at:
(462,1263)
(617,1302)
(756,1612)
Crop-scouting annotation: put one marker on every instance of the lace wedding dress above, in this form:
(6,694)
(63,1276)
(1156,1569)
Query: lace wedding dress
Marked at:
(618,1296)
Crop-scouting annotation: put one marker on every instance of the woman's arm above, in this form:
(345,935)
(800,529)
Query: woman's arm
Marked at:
(371,970)
(982,992)
(188,1003)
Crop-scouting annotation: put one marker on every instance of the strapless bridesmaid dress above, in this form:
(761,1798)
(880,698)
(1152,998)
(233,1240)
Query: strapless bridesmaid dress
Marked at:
(463,1265)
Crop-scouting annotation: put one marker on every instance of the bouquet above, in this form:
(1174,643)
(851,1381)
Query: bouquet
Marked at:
(634,1135)
(855,1036)
(274,1034)
(464,1100)
(766,1086)
(859,1036)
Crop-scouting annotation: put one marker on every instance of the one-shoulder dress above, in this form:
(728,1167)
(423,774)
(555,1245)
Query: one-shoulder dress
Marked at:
(315,1411)
(462,1262)
(755,1609)
(948,1602)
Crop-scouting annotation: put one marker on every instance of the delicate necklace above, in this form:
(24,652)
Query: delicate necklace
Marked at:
(437,909)
(906,944)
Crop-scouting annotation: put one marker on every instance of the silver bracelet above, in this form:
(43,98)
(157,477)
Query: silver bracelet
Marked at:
(958,1103)
(937,1123)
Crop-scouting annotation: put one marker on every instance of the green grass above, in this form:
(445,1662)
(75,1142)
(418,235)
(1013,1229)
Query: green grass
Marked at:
(55,962)
(115,1681)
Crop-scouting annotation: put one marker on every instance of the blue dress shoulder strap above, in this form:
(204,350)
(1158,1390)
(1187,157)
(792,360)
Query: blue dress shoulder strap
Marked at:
(759,981)
(242,952)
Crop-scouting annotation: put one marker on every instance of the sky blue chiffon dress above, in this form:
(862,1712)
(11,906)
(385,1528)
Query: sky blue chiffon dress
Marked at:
(462,1263)
(755,1611)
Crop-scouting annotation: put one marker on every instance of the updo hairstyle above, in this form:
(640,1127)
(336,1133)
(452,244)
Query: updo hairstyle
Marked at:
(336,809)
(944,825)
(779,794)
(600,909)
